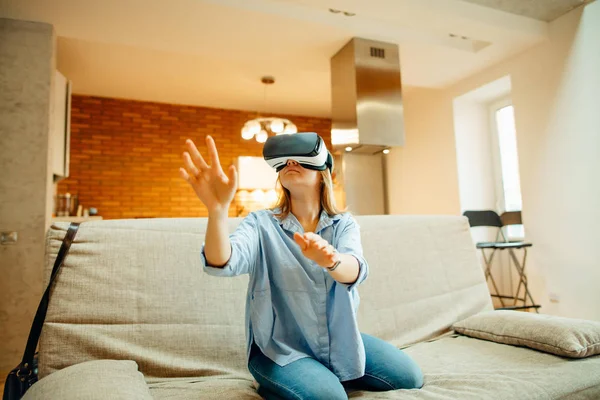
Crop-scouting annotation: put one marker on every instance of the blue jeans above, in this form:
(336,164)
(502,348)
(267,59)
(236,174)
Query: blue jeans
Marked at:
(387,368)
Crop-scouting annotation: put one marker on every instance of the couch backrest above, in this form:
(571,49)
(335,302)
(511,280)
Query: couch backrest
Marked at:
(134,289)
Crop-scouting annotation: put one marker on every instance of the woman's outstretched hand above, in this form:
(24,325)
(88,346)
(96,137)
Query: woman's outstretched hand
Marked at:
(315,248)
(213,187)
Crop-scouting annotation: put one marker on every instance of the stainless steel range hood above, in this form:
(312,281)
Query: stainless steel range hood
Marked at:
(367,115)
(366,94)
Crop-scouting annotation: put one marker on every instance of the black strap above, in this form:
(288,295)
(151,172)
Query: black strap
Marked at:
(40,315)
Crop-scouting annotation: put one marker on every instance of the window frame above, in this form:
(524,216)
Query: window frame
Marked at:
(516,233)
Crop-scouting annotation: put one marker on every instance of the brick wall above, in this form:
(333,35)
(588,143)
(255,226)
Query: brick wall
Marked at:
(125,155)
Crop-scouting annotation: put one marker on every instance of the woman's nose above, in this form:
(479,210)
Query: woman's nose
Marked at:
(291,162)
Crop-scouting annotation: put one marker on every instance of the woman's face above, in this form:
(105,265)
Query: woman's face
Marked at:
(294,177)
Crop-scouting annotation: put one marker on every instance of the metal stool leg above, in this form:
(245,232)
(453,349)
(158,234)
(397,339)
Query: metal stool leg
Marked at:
(520,267)
(521,277)
(488,273)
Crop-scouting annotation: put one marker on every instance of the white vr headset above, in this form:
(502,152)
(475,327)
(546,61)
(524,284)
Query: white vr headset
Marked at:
(307,149)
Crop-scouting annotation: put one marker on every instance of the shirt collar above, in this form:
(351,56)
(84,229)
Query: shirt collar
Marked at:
(291,223)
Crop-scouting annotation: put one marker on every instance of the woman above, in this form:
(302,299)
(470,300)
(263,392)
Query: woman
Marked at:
(305,261)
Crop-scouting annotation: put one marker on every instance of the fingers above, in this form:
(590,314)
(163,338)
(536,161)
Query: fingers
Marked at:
(311,236)
(315,241)
(194,163)
(183,173)
(189,166)
(195,154)
(233,177)
(329,251)
(301,241)
(316,248)
(213,154)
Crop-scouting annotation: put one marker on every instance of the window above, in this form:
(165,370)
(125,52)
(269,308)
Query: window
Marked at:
(507,165)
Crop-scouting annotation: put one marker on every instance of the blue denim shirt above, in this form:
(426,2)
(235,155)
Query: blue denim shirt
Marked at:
(294,308)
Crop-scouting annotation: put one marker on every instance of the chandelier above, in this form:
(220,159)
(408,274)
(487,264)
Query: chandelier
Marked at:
(263,127)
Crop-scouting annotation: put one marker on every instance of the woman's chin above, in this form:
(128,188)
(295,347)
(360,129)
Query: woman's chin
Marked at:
(295,185)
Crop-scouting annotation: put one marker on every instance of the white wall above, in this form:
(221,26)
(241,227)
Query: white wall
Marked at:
(473,150)
(556,95)
(422,176)
(27,62)
(479,172)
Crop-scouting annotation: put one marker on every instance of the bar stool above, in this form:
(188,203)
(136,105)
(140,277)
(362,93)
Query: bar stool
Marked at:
(490,218)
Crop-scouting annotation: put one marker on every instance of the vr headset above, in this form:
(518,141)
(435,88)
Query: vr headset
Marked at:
(307,149)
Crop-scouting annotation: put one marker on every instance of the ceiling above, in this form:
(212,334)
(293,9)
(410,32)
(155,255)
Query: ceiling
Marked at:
(213,52)
(543,10)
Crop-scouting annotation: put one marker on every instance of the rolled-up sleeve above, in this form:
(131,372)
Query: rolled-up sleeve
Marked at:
(244,250)
(349,243)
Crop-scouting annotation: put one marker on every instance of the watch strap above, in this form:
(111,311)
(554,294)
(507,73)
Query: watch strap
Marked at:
(334,266)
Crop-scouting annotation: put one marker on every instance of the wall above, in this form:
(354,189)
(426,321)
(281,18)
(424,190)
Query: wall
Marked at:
(125,155)
(422,176)
(473,150)
(477,148)
(363,181)
(27,62)
(555,90)
(479,172)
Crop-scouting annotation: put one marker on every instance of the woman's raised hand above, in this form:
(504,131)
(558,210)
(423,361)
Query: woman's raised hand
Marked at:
(213,187)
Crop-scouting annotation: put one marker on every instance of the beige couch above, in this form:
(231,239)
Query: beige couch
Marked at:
(135,290)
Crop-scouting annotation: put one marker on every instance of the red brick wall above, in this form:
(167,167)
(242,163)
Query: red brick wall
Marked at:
(125,155)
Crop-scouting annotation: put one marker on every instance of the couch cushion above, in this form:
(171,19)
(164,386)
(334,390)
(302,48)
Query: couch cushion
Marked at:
(203,388)
(134,289)
(93,380)
(567,337)
(465,368)
(424,276)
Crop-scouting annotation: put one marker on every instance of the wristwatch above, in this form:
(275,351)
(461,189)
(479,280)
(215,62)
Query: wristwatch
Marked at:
(335,265)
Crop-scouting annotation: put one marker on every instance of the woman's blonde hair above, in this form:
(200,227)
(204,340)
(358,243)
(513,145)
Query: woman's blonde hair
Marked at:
(284,202)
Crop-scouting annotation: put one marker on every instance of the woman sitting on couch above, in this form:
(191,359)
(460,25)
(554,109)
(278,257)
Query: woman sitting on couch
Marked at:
(304,258)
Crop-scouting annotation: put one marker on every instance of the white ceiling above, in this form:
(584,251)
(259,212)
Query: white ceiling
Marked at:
(543,10)
(213,52)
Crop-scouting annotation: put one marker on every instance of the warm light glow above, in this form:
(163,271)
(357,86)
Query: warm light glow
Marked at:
(386,151)
(290,128)
(255,173)
(262,136)
(271,197)
(344,136)
(277,126)
(253,127)
(246,134)
(263,127)
(271,126)
(348,148)
(243,195)
(258,196)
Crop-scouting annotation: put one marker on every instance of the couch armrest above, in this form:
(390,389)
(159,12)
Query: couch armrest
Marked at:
(567,337)
(91,380)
